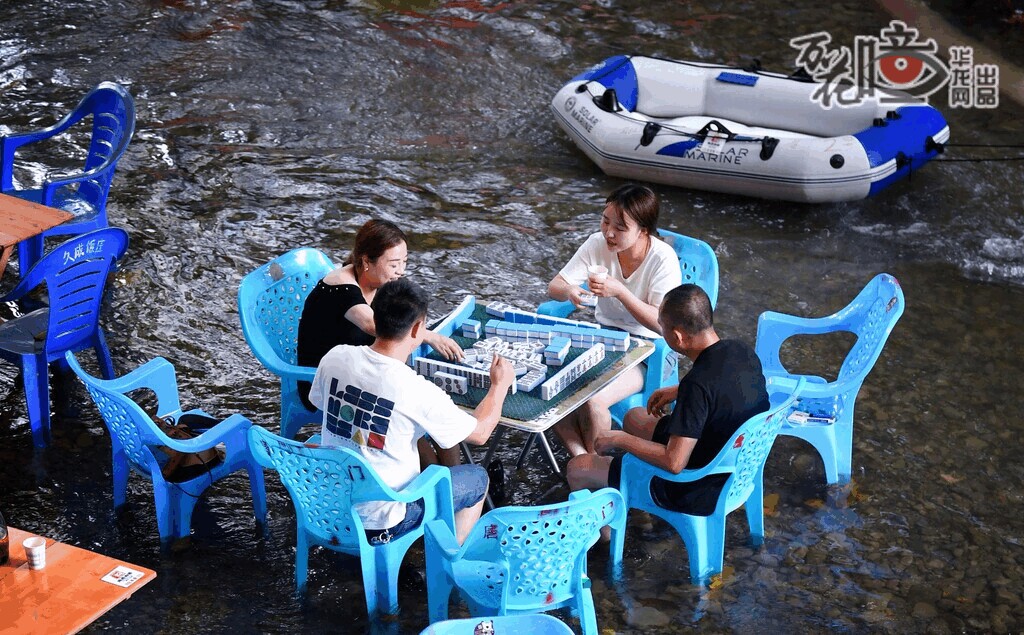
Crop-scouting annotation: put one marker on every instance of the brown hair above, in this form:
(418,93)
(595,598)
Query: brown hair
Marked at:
(372,240)
(640,203)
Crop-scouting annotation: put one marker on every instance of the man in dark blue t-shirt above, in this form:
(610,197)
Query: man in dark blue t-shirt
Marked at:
(724,388)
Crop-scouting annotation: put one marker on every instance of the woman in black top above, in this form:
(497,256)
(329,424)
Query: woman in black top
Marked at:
(338,311)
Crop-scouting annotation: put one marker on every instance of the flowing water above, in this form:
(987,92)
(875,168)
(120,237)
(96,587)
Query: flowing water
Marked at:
(265,125)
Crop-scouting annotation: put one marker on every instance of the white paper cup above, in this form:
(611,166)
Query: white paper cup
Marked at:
(597,273)
(35,549)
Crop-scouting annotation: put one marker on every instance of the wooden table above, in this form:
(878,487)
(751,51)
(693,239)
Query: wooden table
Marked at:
(63,597)
(20,220)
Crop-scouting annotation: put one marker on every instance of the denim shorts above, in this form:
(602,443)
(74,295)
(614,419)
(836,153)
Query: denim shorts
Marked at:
(469,486)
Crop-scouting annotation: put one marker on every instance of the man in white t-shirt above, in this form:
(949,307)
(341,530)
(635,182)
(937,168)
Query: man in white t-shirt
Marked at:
(374,403)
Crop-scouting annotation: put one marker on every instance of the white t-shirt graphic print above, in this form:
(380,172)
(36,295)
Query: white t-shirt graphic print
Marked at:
(380,407)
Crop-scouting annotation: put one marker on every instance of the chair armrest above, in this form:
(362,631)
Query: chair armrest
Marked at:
(51,185)
(433,483)
(443,537)
(228,432)
(638,469)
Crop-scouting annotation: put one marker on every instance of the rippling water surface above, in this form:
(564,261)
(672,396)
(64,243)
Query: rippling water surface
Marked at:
(268,125)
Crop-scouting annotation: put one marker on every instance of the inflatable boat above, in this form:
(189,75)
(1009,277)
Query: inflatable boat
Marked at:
(747,132)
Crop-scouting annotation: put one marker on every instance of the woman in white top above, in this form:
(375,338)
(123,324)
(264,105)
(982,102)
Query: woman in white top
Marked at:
(641,270)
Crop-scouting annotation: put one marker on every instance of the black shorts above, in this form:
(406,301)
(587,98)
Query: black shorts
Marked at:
(698,498)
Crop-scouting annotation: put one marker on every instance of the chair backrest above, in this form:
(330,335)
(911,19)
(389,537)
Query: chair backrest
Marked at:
(750,445)
(871,317)
(113,124)
(75,274)
(545,547)
(697,261)
(130,426)
(324,483)
(270,301)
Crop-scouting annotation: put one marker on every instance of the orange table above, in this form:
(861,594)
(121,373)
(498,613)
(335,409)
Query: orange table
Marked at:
(63,597)
(20,219)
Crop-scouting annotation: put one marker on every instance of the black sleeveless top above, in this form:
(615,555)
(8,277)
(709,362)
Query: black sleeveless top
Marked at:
(323,326)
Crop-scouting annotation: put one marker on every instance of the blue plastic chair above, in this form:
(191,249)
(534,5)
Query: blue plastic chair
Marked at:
(135,439)
(325,483)
(75,275)
(82,193)
(521,560)
(871,317)
(742,458)
(699,266)
(539,624)
(270,301)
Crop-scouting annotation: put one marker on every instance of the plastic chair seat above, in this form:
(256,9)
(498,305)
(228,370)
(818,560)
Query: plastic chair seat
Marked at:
(25,335)
(69,200)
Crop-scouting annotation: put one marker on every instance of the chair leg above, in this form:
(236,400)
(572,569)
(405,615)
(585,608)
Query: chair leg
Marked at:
(301,558)
(368,565)
(587,613)
(844,449)
(164,497)
(618,545)
(388,562)
(103,355)
(754,507)
(183,513)
(121,473)
(36,375)
(439,591)
(259,492)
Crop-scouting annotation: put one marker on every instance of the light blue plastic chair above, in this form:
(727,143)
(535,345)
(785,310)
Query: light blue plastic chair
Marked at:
(75,275)
(742,458)
(521,560)
(84,192)
(538,624)
(135,439)
(699,266)
(270,301)
(325,483)
(871,317)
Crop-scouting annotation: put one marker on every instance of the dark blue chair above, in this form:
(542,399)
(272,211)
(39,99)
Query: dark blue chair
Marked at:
(75,274)
(83,193)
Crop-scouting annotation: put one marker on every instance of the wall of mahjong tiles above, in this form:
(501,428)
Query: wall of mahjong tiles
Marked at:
(524,406)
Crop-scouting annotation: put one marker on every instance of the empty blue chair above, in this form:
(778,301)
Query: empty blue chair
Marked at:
(325,483)
(135,440)
(75,275)
(871,317)
(699,266)
(742,458)
(83,192)
(521,560)
(270,301)
(539,624)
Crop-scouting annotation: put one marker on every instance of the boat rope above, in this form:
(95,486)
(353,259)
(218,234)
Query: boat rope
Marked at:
(931,144)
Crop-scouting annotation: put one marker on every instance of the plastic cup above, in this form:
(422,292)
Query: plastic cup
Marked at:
(35,549)
(597,273)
